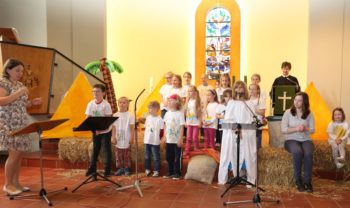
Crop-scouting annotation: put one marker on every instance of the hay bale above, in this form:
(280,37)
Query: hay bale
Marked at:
(73,149)
(323,159)
(201,168)
(275,167)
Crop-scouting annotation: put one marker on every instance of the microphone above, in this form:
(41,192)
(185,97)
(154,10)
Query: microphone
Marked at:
(257,122)
(294,82)
(239,95)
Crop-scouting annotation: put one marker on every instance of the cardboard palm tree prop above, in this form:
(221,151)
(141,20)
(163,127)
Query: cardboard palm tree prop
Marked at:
(106,67)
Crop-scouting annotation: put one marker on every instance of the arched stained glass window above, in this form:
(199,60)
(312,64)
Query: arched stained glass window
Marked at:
(218,42)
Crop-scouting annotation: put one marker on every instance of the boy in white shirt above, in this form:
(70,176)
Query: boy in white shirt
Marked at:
(153,126)
(122,136)
(100,108)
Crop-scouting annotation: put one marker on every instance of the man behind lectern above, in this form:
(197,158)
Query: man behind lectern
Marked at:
(285,79)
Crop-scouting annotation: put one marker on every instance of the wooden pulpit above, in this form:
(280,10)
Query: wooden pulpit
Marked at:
(38,67)
(9,35)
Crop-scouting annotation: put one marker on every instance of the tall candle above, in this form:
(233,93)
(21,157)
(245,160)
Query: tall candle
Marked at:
(150,84)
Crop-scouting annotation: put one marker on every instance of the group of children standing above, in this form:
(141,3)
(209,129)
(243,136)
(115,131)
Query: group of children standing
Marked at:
(189,111)
(202,112)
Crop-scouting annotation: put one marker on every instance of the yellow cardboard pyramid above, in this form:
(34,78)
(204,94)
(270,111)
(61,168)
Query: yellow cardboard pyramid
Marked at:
(321,113)
(72,107)
(154,95)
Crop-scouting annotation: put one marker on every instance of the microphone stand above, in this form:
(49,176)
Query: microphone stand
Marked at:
(297,87)
(137,180)
(256,119)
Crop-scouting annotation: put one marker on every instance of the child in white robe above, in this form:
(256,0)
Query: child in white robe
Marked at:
(237,111)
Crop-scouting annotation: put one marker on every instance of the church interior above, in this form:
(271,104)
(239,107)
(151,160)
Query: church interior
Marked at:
(65,45)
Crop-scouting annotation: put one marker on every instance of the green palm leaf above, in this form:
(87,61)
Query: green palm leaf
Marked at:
(93,67)
(114,66)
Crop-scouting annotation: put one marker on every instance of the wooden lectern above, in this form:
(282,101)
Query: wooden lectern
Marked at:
(38,67)
(39,127)
(9,35)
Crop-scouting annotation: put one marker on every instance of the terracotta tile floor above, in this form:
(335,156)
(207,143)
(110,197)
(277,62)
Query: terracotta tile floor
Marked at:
(159,192)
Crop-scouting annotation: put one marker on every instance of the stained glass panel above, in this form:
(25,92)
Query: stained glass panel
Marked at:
(218,42)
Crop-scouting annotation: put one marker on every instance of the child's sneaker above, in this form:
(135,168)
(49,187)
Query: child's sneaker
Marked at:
(341,159)
(119,172)
(127,172)
(176,177)
(155,174)
(168,176)
(148,172)
(339,165)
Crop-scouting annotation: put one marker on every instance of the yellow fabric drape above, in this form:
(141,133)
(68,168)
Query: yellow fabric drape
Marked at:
(72,107)
(322,114)
(154,95)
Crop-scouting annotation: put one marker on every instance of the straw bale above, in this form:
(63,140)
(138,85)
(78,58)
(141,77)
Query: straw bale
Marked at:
(275,167)
(323,159)
(73,149)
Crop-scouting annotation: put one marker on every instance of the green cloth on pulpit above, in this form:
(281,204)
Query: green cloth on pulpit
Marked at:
(284,96)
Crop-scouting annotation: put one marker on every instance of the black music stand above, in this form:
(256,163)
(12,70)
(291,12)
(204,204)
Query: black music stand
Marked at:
(39,127)
(237,180)
(95,124)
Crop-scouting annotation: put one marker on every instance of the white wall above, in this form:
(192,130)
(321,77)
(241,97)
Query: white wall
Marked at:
(345,98)
(329,51)
(77,29)
(28,17)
